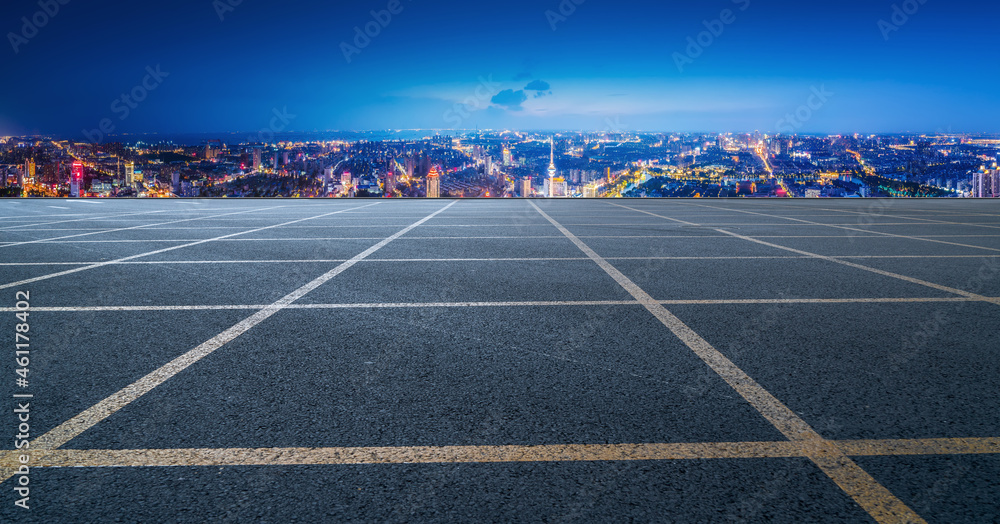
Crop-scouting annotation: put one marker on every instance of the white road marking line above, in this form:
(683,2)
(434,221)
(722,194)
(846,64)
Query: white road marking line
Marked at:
(872,496)
(924,283)
(866,230)
(556,303)
(512,259)
(88,418)
(58,207)
(159,251)
(108,217)
(60,240)
(907,217)
(84,201)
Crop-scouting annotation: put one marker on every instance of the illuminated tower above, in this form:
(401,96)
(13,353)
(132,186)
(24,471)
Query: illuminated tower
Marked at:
(434,183)
(552,161)
(555,186)
(29,170)
(129,174)
(76,180)
(256,159)
(506,156)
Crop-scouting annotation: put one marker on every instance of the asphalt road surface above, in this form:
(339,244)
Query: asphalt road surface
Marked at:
(494,361)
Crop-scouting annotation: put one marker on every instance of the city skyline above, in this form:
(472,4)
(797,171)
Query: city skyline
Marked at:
(85,72)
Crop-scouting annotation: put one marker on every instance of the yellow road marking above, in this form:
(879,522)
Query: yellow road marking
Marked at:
(872,496)
(934,446)
(194,457)
(91,416)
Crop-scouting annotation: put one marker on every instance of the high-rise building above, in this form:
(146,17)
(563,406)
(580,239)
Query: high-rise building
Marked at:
(256,159)
(556,187)
(526,187)
(590,191)
(29,170)
(129,174)
(390,179)
(434,183)
(76,180)
(506,156)
(986,183)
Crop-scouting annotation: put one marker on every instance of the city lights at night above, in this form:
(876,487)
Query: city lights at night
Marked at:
(532,261)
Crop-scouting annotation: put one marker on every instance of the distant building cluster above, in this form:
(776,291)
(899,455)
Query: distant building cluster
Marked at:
(504,164)
(986,183)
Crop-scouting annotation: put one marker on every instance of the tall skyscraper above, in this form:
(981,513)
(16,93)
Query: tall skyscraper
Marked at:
(76,180)
(256,159)
(986,183)
(29,170)
(434,183)
(390,178)
(129,174)
(506,156)
(526,187)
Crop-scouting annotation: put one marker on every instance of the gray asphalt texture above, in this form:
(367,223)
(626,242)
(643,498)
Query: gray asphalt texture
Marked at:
(493,375)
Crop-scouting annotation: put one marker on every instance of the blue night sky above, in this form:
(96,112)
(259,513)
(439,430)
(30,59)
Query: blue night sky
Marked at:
(443,64)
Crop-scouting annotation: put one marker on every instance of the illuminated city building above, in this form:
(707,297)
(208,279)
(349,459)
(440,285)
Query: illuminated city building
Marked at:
(552,166)
(434,183)
(390,179)
(29,170)
(76,180)
(256,159)
(129,174)
(556,187)
(526,187)
(986,183)
(506,156)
